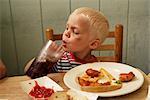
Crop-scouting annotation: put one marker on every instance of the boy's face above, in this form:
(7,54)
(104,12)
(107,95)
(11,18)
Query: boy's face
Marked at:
(76,37)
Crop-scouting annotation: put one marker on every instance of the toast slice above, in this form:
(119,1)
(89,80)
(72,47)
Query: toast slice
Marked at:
(103,82)
(67,95)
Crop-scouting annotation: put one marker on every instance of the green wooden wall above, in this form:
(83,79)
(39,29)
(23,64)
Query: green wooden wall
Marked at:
(23,22)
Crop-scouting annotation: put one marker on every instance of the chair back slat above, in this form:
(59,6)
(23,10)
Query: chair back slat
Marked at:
(58,37)
(105,47)
(51,36)
(111,34)
(106,59)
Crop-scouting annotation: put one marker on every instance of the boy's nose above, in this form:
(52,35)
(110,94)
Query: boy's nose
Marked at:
(67,33)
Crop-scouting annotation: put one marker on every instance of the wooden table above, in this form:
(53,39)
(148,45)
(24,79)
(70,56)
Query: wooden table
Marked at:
(10,88)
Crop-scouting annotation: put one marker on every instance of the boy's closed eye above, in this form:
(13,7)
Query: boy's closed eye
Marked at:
(66,28)
(75,32)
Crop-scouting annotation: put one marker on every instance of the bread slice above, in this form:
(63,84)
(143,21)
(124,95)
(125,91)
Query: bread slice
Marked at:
(67,95)
(60,95)
(76,96)
(102,83)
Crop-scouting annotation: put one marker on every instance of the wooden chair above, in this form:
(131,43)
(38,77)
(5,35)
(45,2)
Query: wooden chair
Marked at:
(148,75)
(117,34)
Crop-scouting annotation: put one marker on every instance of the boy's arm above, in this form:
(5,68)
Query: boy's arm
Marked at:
(38,69)
(28,65)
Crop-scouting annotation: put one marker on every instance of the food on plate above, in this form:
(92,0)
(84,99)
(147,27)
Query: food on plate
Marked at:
(126,77)
(40,91)
(98,81)
(92,73)
(67,95)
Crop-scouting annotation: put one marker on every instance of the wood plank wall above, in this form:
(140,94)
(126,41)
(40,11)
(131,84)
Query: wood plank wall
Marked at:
(0,29)
(148,37)
(23,23)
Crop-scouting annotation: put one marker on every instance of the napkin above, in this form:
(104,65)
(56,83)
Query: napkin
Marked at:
(90,96)
(45,81)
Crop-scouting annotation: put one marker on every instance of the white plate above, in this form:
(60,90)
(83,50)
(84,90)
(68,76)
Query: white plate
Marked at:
(115,69)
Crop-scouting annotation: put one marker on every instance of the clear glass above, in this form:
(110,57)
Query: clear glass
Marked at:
(51,52)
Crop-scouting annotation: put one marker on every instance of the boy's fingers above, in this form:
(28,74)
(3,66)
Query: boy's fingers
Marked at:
(53,47)
(59,48)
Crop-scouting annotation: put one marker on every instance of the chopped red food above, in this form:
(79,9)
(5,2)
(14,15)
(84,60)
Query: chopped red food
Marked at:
(91,72)
(41,91)
(125,77)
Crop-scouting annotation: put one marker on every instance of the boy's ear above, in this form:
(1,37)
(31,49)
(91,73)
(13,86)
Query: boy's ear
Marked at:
(94,44)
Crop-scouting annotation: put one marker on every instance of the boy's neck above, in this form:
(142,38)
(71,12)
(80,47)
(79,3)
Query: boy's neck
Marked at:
(83,55)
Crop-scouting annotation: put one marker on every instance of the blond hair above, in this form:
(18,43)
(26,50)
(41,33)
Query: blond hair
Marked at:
(98,22)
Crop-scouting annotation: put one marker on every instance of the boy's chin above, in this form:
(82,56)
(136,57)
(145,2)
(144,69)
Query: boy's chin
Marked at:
(67,50)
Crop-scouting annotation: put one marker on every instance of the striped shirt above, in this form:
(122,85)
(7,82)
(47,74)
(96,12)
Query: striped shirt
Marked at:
(66,63)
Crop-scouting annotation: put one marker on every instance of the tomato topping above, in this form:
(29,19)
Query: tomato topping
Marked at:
(125,77)
(91,72)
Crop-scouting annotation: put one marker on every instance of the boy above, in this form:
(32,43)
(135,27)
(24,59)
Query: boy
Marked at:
(85,30)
